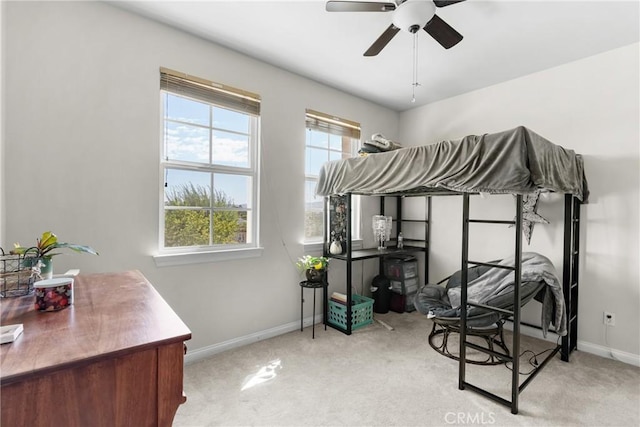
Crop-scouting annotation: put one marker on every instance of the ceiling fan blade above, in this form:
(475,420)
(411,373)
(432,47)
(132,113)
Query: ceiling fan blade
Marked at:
(443,3)
(382,41)
(442,32)
(359,6)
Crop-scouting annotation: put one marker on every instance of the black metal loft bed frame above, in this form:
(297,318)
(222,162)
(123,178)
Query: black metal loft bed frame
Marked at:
(570,283)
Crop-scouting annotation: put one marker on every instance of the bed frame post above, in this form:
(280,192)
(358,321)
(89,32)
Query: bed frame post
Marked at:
(326,209)
(349,269)
(382,212)
(427,239)
(398,215)
(326,234)
(463,291)
(570,272)
(515,372)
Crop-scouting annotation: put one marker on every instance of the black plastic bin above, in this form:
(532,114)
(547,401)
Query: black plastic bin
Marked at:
(381,293)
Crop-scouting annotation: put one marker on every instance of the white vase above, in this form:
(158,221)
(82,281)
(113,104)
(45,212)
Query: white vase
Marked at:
(335,248)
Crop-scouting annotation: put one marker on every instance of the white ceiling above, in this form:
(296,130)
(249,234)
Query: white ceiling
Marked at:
(502,40)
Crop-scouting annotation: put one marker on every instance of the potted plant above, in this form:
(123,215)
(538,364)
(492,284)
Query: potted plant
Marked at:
(314,267)
(42,251)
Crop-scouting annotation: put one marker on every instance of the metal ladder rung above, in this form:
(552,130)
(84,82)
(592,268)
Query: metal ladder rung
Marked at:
(487,264)
(491,221)
(487,394)
(490,308)
(489,351)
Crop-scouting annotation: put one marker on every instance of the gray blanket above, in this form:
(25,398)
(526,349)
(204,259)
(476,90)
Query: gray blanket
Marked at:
(516,161)
(535,267)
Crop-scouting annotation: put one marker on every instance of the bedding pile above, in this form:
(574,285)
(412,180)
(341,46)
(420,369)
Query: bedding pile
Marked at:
(516,161)
(378,144)
(535,268)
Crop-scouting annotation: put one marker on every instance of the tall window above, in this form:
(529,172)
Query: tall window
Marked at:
(210,147)
(328,138)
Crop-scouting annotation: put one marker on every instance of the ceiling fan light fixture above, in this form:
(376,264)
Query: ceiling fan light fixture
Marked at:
(412,14)
(408,15)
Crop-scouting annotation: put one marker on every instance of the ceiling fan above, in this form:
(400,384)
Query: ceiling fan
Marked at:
(408,15)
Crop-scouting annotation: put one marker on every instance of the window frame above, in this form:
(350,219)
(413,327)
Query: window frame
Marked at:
(176,255)
(330,125)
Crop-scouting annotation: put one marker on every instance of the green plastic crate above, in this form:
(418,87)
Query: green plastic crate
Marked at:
(361,313)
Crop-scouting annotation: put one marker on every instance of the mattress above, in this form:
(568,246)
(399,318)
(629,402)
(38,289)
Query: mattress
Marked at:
(516,161)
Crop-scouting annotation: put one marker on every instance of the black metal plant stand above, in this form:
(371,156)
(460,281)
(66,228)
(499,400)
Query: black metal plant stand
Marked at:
(313,285)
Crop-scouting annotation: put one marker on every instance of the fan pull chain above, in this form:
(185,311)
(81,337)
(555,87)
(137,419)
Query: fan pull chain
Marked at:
(415,67)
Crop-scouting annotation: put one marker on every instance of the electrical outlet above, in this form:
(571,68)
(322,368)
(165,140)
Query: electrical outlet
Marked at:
(609,319)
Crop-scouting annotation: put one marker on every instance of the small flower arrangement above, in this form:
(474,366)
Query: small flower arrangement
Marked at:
(42,252)
(47,243)
(314,267)
(309,262)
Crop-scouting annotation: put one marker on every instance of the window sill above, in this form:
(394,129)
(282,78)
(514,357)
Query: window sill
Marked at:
(316,248)
(186,258)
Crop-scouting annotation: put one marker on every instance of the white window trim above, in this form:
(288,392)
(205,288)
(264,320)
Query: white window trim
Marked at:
(196,255)
(187,258)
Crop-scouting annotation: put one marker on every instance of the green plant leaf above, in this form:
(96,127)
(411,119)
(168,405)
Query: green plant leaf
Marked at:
(18,249)
(77,248)
(47,239)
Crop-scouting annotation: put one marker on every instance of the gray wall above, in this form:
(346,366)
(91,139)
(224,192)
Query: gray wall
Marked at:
(83,147)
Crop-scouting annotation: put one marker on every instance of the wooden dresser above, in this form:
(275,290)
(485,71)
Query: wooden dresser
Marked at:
(114,358)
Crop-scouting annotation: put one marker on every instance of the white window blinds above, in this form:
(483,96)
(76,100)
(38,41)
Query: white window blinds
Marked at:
(208,91)
(330,124)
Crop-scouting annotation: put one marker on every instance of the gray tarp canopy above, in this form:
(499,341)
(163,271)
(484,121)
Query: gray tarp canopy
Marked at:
(516,161)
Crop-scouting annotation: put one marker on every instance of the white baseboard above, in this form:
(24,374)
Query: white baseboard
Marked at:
(599,350)
(533,332)
(203,353)
(587,347)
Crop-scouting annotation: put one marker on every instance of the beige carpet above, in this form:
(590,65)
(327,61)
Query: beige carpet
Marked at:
(378,377)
